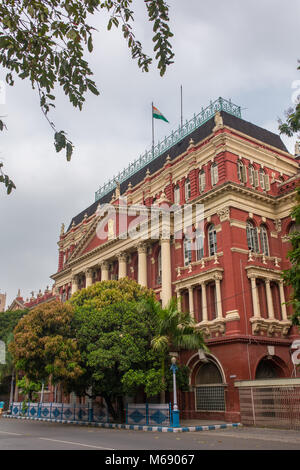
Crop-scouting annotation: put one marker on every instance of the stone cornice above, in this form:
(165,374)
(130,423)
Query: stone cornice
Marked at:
(265,273)
(209,275)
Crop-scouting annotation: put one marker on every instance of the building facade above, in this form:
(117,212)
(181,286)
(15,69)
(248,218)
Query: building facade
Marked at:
(224,266)
(20,304)
(2,302)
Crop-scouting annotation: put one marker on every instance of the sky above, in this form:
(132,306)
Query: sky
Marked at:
(240,50)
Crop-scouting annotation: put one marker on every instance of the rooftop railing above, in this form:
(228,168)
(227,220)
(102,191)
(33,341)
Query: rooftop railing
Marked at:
(176,136)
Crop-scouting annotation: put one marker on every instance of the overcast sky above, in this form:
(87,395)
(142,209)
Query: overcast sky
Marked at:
(243,50)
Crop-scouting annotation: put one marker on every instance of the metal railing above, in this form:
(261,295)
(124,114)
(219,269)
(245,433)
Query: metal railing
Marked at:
(176,136)
(149,414)
(273,406)
(61,412)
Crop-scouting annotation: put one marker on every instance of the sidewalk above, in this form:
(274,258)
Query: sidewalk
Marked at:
(185,425)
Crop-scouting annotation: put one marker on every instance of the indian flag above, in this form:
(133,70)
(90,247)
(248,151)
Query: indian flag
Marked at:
(157,114)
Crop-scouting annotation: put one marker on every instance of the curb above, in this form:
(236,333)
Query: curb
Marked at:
(133,427)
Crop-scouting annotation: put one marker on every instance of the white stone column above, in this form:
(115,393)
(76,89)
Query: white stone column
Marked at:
(74,284)
(255,301)
(104,271)
(219,300)
(122,257)
(166,280)
(191,301)
(88,277)
(204,301)
(269,299)
(282,301)
(142,264)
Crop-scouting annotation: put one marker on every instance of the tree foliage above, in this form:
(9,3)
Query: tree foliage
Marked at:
(292,276)
(44,41)
(8,322)
(44,346)
(292,124)
(176,330)
(114,331)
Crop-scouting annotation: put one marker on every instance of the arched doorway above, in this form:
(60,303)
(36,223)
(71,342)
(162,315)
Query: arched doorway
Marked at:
(209,387)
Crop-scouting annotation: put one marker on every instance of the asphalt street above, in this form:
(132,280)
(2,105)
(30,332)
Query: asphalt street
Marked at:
(35,435)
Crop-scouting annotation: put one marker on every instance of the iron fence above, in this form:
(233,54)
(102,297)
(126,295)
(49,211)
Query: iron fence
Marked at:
(149,414)
(271,406)
(61,412)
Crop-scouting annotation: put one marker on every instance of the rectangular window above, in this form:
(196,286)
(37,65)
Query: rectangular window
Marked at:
(200,246)
(187,252)
(201,181)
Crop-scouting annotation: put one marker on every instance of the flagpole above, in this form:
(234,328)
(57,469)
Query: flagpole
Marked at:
(152,129)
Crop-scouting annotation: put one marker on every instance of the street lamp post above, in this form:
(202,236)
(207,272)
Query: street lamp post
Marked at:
(175,413)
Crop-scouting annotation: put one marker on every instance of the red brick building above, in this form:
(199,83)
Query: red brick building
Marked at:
(229,277)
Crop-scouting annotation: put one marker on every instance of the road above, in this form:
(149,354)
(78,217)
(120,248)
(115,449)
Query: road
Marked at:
(35,435)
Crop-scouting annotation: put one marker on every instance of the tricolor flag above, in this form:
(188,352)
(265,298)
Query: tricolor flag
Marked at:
(157,114)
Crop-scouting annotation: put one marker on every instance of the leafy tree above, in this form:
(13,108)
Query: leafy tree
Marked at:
(114,332)
(29,389)
(44,346)
(44,41)
(292,124)
(292,276)
(177,330)
(8,321)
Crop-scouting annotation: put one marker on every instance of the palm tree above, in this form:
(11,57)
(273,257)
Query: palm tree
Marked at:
(176,331)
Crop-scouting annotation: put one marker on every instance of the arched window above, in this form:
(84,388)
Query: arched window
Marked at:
(177,194)
(267,369)
(187,189)
(252,238)
(212,240)
(187,248)
(214,174)
(208,374)
(199,244)
(210,395)
(294,228)
(251,175)
(264,243)
(202,181)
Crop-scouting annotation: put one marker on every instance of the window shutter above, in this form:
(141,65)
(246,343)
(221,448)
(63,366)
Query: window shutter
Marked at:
(256,178)
(251,175)
(249,238)
(202,181)
(214,174)
(267,182)
(239,171)
(255,240)
(262,179)
(244,174)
